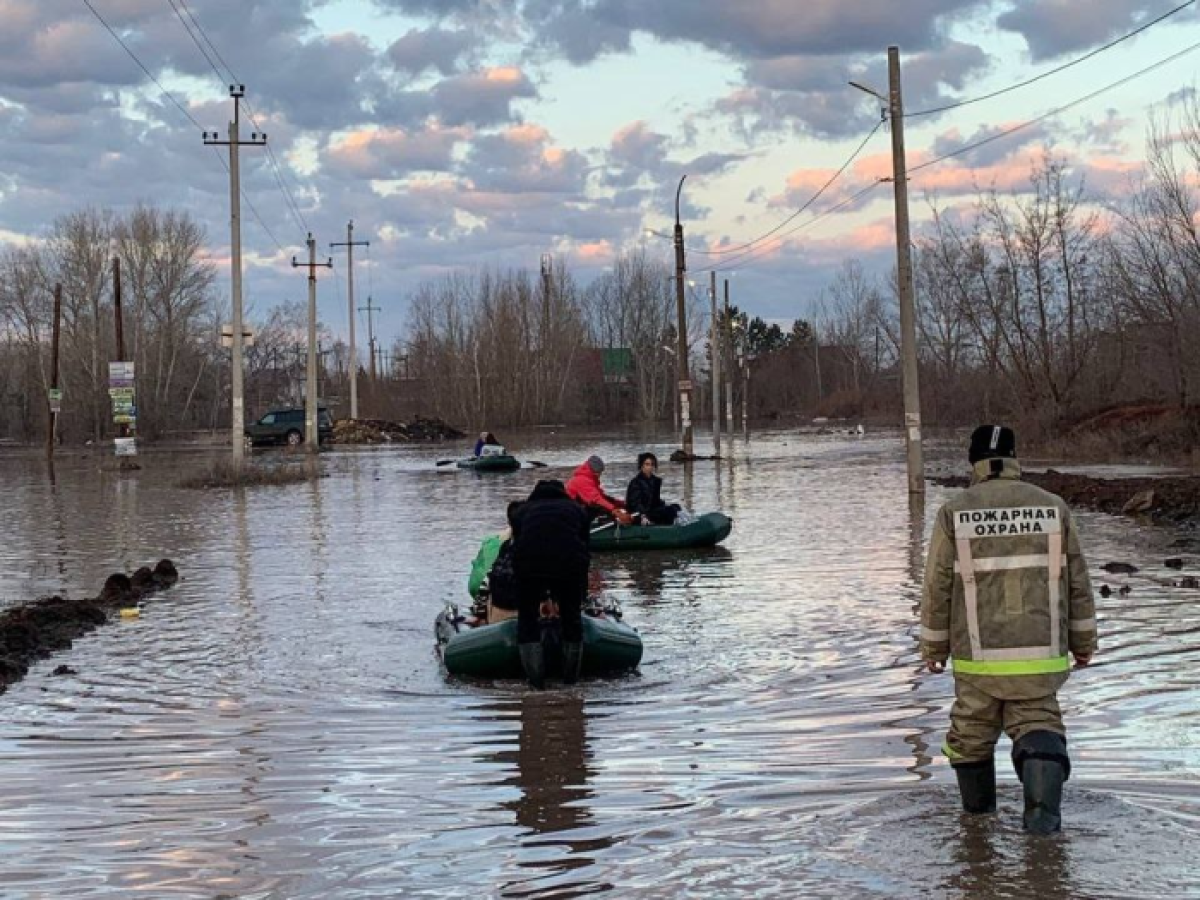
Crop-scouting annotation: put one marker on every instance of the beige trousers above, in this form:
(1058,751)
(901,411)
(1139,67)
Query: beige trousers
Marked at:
(977,718)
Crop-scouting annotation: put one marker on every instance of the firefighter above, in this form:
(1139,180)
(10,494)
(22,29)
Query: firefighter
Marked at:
(1006,599)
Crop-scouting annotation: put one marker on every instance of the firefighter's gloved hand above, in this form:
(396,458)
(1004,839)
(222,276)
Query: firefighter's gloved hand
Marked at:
(937,668)
(1082,659)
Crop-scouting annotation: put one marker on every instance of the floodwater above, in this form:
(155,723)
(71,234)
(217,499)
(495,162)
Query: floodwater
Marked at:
(277,725)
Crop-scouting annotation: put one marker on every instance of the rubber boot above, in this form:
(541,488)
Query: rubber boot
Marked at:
(977,785)
(572,661)
(1041,761)
(533,661)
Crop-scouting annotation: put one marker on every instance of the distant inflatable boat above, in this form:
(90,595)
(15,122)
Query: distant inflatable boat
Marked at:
(501,463)
(706,531)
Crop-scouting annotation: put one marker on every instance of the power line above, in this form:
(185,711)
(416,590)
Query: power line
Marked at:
(1057,110)
(182,109)
(134,57)
(180,7)
(809,202)
(1067,65)
(758,252)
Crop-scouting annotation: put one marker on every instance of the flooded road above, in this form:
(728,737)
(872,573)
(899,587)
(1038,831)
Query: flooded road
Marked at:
(277,725)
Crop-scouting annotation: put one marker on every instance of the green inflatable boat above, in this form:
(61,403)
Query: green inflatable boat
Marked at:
(706,531)
(610,647)
(503,463)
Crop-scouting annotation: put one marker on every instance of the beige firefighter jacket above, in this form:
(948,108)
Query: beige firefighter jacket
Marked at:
(1006,592)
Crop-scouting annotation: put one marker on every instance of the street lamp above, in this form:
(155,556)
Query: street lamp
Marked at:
(681,362)
(894,111)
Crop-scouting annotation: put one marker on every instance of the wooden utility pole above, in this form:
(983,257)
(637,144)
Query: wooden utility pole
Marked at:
(727,349)
(908,326)
(122,428)
(312,436)
(350,244)
(714,346)
(237,426)
(681,353)
(56,399)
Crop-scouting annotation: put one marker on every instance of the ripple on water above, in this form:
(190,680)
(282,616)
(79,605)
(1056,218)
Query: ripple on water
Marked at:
(278,726)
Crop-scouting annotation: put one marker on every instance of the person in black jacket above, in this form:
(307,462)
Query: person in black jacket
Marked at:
(550,556)
(644,494)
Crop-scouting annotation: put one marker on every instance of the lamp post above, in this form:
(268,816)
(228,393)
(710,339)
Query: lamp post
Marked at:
(681,354)
(894,110)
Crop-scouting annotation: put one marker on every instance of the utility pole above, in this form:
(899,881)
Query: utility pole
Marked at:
(311,434)
(727,347)
(238,403)
(368,309)
(681,354)
(350,244)
(714,346)
(908,326)
(55,398)
(894,111)
(122,428)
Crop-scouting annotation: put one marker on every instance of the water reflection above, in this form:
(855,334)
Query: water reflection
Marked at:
(554,768)
(990,859)
(649,573)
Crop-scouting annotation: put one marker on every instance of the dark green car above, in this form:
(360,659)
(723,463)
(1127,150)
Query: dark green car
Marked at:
(286,426)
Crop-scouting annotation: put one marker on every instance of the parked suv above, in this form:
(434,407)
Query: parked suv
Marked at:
(286,426)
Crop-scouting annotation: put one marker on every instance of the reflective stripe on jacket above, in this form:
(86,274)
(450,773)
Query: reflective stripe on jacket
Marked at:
(1006,592)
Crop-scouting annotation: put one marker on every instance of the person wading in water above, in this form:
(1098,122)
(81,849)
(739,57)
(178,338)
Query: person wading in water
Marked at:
(1007,600)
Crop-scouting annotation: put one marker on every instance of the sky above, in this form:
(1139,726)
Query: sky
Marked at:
(465,134)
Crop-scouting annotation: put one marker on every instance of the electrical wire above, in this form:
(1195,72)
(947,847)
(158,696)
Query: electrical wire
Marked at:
(180,7)
(807,203)
(758,252)
(141,66)
(187,115)
(1057,110)
(1067,65)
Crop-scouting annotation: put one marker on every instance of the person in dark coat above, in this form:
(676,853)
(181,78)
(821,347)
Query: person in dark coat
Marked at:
(644,494)
(550,556)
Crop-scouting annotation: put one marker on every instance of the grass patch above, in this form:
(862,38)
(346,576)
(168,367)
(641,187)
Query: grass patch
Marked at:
(225,474)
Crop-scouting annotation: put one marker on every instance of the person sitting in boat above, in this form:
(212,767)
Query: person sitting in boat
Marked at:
(550,557)
(492,577)
(584,487)
(643,497)
(487,445)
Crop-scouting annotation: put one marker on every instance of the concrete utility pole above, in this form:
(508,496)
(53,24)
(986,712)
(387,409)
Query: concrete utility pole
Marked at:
(714,347)
(368,309)
(727,349)
(350,244)
(681,353)
(55,400)
(908,323)
(238,404)
(312,436)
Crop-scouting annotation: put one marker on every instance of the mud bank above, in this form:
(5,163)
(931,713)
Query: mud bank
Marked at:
(36,630)
(1167,501)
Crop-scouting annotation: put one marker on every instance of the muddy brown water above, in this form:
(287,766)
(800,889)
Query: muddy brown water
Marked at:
(277,725)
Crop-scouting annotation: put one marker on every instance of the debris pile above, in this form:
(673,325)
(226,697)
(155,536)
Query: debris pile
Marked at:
(35,630)
(383,431)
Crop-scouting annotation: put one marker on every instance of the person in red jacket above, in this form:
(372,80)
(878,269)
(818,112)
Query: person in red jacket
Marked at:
(584,487)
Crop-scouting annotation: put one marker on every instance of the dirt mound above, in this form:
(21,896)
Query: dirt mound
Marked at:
(34,631)
(1136,431)
(1165,500)
(384,431)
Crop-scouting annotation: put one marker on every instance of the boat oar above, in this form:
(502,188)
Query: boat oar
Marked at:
(445,462)
(534,464)
(604,527)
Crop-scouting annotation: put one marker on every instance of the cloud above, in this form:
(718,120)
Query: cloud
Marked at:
(481,98)
(383,154)
(433,48)
(522,159)
(1052,28)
